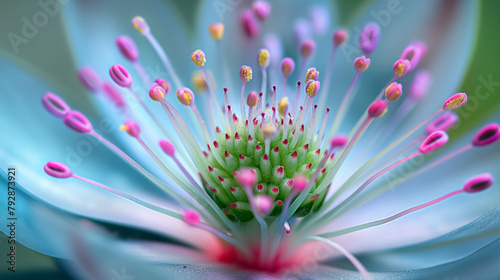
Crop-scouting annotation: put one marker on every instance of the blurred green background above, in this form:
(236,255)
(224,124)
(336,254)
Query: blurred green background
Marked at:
(482,79)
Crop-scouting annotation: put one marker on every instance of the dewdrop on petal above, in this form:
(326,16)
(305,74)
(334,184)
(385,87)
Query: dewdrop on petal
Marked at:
(455,101)
(311,74)
(131,127)
(185,96)
(198,58)
(393,91)
(216,30)
(263,58)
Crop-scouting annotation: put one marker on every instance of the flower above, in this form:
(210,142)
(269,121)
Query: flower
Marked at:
(255,199)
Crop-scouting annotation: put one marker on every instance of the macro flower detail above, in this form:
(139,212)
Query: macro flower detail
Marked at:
(255,172)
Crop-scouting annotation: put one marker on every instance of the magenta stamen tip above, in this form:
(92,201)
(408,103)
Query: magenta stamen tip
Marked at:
(433,142)
(487,135)
(249,23)
(132,128)
(420,85)
(191,217)
(120,75)
(263,204)
(140,24)
(89,78)
(339,37)
(157,93)
(377,109)
(55,104)
(307,48)
(164,84)
(401,67)
(414,53)
(261,9)
(246,177)
(57,170)
(127,47)
(185,96)
(312,88)
(77,122)
(287,66)
(361,64)
(252,99)
(455,101)
(478,183)
(444,122)
(369,37)
(393,91)
(311,74)
(114,94)
(168,148)
(338,142)
(299,183)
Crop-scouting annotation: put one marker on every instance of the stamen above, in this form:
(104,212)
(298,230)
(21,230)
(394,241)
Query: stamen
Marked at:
(444,122)
(487,135)
(360,65)
(245,76)
(262,9)
(369,37)
(455,101)
(287,67)
(140,24)
(120,76)
(414,53)
(312,88)
(264,59)
(129,50)
(393,91)
(216,30)
(77,122)
(377,109)
(311,74)
(55,105)
(249,23)
(306,50)
(57,170)
(89,78)
(252,100)
(296,100)
(401,67)
(475,184)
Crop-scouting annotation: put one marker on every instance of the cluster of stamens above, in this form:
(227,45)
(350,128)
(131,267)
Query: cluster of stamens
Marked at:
(271,163)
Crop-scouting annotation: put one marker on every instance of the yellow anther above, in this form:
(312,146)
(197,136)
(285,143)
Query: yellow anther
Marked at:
(263,58)
(311,74)
(245,73)
(140,24)
(198,58)
(283,106)
(185,96)
(198,81)
(216,30)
